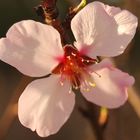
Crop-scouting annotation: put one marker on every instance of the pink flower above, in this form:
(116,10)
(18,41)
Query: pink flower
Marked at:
(35,49)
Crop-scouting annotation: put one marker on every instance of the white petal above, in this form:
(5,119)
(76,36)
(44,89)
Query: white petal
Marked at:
(45,105)
(111,88)
(31,47)
(102,30)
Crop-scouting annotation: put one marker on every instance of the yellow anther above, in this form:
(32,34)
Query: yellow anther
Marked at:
(92,84)
(86,89)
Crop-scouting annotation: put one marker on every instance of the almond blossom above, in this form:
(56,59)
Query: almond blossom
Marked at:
(35,49)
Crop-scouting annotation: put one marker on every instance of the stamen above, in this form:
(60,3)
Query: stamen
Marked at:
(75,83)
(92,84)
(97,74)
(69,57)
(73,54)
(85,86)
(70,90)
(61,83)
(75,68)
(87,82)
(71,63)
(62,79)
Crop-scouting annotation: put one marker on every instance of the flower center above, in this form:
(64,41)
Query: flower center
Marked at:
(75,67)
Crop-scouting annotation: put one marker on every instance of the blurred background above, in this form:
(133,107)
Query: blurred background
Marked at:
(123,123)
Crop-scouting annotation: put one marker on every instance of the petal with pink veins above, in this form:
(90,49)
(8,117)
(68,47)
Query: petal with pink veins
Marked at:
(45,105)
(111,88)
(31,47)
(102,30)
